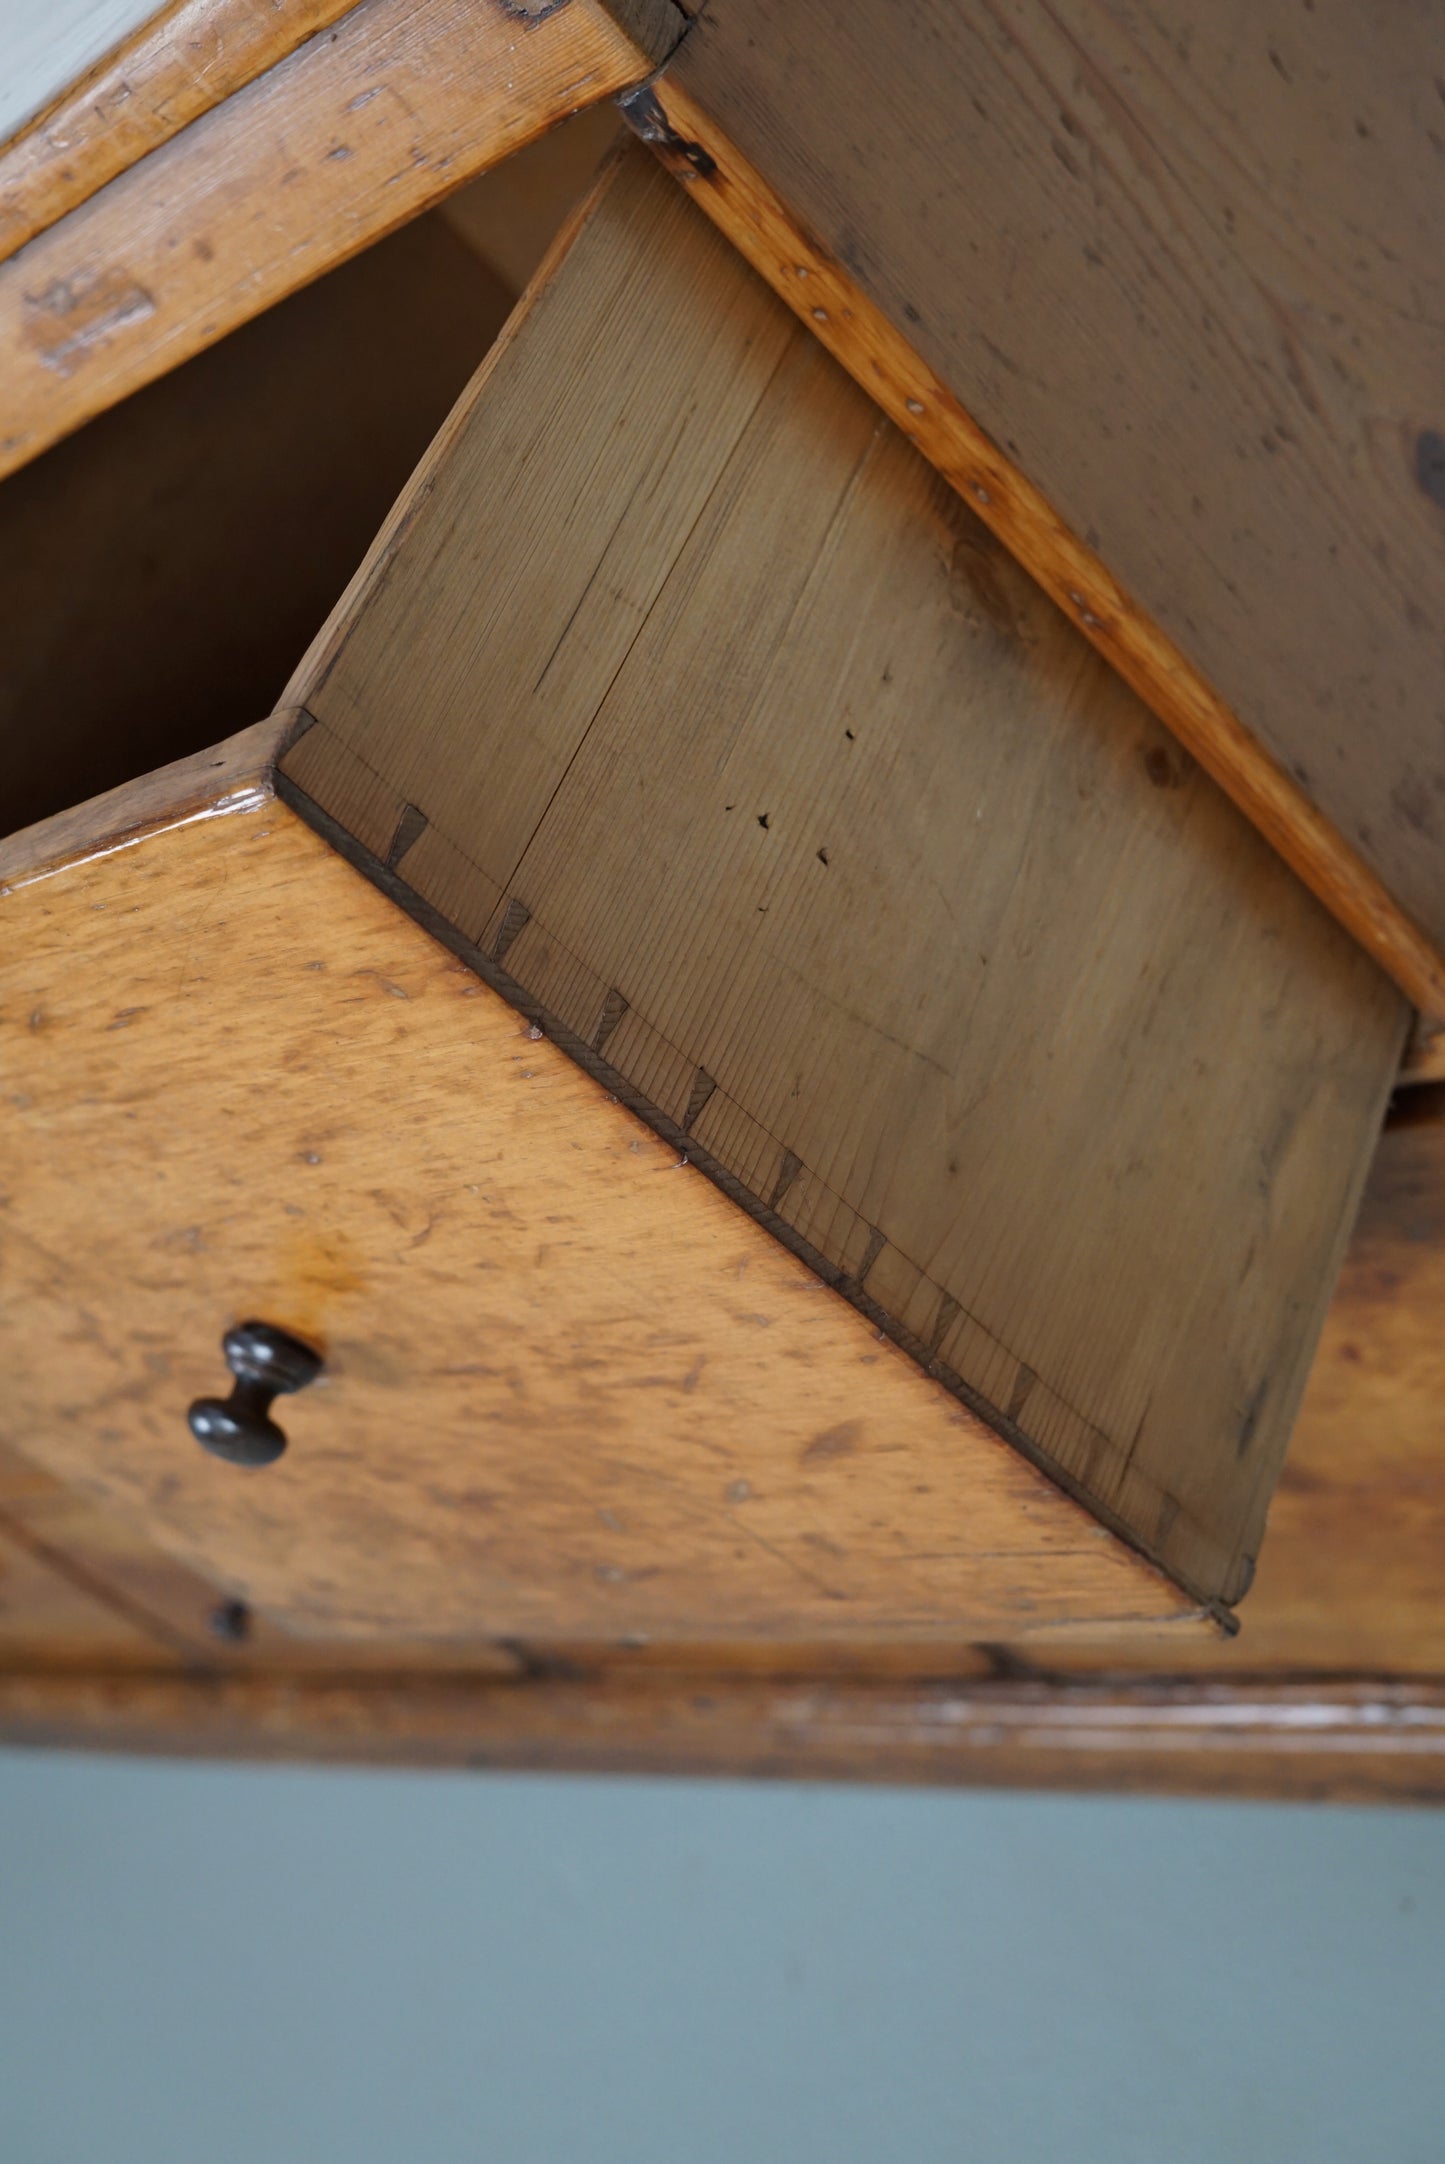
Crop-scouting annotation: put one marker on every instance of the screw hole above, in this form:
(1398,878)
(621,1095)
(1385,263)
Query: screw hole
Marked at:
(231,1621)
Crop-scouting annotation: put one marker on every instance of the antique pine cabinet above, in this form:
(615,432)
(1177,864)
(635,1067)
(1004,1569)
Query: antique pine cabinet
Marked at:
(721,948)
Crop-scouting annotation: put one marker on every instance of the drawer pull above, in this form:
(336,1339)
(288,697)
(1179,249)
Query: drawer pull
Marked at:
(266,1363)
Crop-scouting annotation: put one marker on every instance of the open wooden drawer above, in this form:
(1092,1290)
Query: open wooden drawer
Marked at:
(806,1044)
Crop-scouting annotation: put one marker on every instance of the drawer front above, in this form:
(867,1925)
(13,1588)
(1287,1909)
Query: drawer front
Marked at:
(570,1390)
(682,693)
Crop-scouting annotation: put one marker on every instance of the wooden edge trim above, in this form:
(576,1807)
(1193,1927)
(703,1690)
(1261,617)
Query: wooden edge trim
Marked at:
(189,57)
(200,1619)
(248,203)
(186,59)
(1425,1053)
(145,1616)
(858,334)
(1362,1740)
(234,776)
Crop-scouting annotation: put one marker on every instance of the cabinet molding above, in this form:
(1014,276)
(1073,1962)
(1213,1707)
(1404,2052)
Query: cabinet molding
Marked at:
(1347,1742)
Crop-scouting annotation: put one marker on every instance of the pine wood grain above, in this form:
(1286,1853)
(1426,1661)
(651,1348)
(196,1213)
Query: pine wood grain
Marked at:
(1350,1578)
(862,337)
(570,1389)
(159,1610)
(180,63)
(1346,1742)
(682,689)
(362,127)
(1162,296)
(1349,1581)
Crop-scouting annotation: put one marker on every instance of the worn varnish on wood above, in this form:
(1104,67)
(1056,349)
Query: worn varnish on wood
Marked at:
(1348,1589)
(684,697)
(185,59)
(1161,291)
(360,128)
(571,1391)
(1309,1701)
(138,1597)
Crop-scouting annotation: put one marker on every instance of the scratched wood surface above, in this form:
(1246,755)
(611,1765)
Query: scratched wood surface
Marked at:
(1348,1588)
(151,1601)
(682,689)
(361,128)
(1181,274)
(48,48)
(160,1610)
(162,74)
(571,1390)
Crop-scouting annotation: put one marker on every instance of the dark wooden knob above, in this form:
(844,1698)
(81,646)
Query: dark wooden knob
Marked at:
(266,1363)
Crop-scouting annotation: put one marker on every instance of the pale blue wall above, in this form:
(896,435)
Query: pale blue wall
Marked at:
(45,44)
(207,1965)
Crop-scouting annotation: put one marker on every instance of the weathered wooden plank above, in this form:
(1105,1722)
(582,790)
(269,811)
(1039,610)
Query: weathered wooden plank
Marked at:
(1350,1576)
(682,687)
(1162,296)
(362,127)
(1344,1742)
(168,71)
(229,777)
(571,1391)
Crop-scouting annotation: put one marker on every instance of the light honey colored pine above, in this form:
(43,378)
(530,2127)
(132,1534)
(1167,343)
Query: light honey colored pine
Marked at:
(362,127)
(183,60)
(684,694)
(1350,1576)
(833,295)
(571,1390)
(1349,1742)
(160,1610)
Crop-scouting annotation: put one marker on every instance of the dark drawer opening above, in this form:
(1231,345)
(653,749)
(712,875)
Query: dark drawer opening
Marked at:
(162,571)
